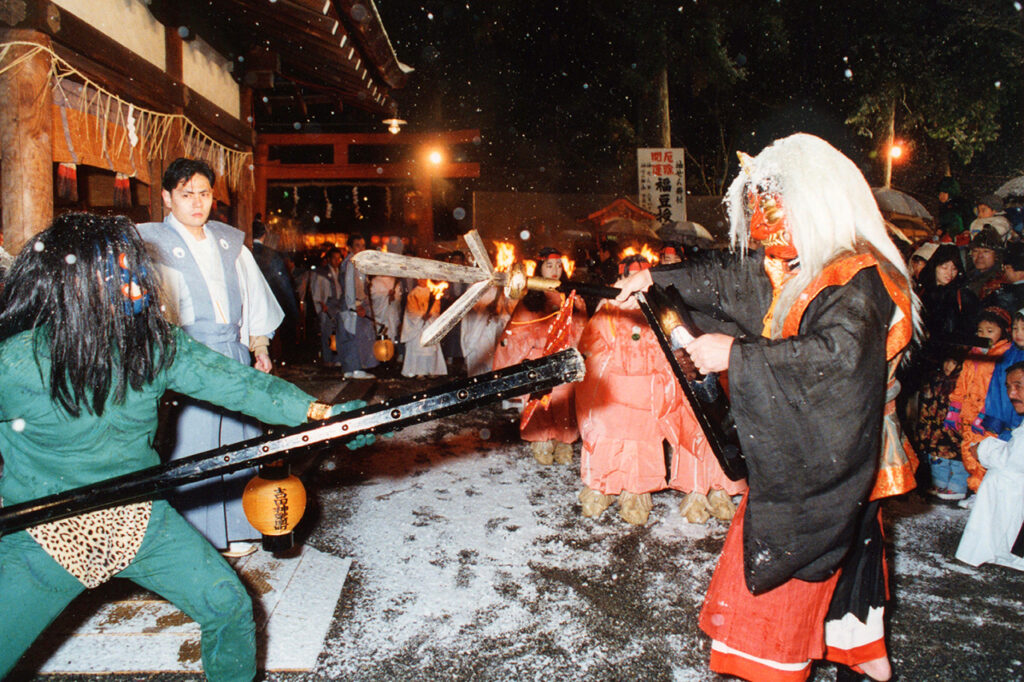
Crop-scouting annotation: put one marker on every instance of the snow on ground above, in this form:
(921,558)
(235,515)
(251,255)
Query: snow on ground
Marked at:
(471,561)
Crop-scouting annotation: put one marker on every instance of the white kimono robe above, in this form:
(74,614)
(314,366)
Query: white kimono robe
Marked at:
(420,360)
(482,328)
(386,300)
(261,314)
(998,512)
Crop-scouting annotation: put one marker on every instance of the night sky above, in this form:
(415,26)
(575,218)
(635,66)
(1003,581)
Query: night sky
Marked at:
(560,89)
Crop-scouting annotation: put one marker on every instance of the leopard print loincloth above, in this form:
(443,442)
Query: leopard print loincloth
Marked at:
(95,546)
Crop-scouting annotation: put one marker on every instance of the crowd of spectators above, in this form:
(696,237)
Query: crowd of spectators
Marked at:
(956,389)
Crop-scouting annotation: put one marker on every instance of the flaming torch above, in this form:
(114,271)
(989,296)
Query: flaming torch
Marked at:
(506,256)
(568,265)
(437,289)
(647,252)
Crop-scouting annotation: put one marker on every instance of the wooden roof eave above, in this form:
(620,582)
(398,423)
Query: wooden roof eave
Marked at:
(321,55)
(373,36)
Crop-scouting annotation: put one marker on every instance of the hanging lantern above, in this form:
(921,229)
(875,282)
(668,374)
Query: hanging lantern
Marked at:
(274,502)
(122,191)
(383,349)
(355,203)
(67,182)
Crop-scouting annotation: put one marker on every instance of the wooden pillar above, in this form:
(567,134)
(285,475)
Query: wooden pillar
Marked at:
(243,206)
(156,201)
(260,156)
(174,65)
(26,120)
(425,222)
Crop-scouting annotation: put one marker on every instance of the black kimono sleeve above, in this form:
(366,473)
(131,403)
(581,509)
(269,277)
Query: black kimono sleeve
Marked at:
(730,293)
(808,410)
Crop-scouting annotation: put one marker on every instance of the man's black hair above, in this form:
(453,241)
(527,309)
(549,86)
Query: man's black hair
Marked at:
(1015,367)
(65,286)
(182,169)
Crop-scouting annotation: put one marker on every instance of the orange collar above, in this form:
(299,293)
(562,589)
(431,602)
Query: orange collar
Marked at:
(839,272)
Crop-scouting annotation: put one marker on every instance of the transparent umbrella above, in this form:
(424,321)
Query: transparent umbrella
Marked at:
(1013,188)
(626,227)
(894,201)
(684,231)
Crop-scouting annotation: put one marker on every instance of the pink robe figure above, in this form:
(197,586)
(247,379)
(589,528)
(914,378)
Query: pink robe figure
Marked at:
(629,403)
(524,339)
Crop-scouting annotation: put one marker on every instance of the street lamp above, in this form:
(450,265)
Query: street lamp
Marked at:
(893,153)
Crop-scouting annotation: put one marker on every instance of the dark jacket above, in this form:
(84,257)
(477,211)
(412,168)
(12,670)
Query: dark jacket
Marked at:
(1009,297)
(949,313)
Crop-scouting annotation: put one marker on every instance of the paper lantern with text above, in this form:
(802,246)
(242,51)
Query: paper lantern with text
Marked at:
(274,502)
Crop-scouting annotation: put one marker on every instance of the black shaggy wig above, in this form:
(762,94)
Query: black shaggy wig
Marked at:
(66,286)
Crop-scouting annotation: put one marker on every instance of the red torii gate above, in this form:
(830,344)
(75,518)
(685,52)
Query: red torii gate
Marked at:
(417,172)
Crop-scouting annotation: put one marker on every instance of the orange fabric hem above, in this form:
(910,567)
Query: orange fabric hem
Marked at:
(861,654)
(894,481)
(738,666)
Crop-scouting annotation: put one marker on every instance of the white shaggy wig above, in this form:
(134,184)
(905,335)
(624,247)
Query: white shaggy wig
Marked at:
(827,203)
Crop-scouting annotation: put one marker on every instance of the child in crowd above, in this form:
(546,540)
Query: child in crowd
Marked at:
(994,532)
(998,418)
(941,445)
(967,400)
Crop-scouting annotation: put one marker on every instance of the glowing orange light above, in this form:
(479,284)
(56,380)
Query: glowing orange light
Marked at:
(435,157)
(646,252)
(568,265)
(895,151)
(506,256)
(650,254)
(531,267)
(437,289)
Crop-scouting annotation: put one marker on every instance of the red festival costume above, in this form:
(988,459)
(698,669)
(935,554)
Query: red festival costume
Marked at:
(628,404)
(525,338)
(774,635)
(816,324)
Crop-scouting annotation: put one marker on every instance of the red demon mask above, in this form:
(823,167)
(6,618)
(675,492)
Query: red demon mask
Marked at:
(768,225)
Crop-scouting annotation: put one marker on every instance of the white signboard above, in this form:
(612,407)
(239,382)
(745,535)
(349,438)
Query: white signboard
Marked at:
(662,177)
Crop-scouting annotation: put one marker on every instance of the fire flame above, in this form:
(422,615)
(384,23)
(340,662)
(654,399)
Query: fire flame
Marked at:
(505,257)
(647,252)
(531,267)
(568,265)
(437,289)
